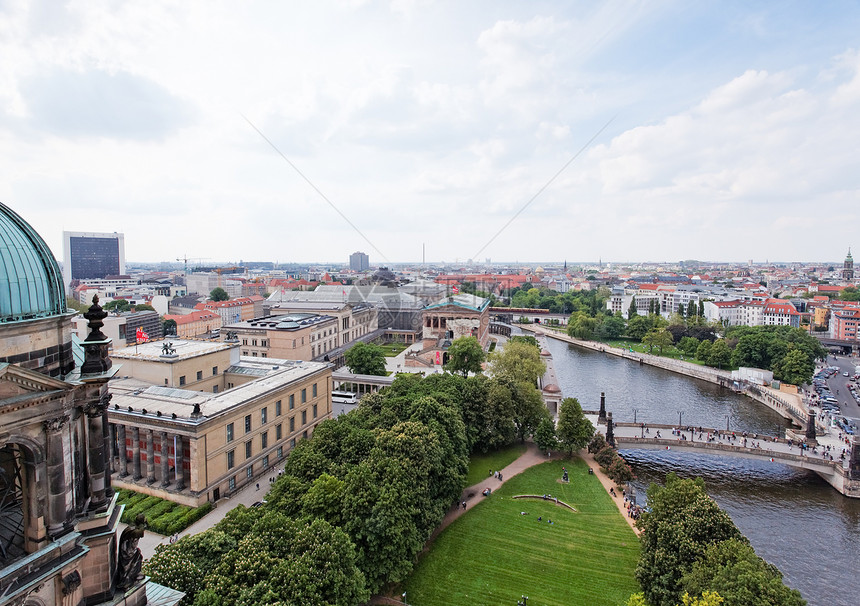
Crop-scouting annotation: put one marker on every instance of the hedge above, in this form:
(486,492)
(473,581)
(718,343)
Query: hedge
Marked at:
(162,516)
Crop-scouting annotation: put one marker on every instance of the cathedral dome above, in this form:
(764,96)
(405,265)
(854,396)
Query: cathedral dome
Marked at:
(31,285)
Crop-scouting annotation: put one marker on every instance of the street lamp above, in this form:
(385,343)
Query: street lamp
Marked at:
(679,419)
(727,422)
(635,410)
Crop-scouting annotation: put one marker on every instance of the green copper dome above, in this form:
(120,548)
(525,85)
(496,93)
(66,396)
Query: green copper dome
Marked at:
(31,285)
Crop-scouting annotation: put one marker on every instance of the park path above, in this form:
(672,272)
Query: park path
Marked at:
(531,457)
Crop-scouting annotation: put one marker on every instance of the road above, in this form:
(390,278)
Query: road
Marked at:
(849,406)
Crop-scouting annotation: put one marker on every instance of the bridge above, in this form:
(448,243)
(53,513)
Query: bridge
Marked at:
(843,475)
(513,315)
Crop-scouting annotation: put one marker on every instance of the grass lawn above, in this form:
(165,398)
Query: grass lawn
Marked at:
(481,464)
(392,349)
(668,352)
(493,555)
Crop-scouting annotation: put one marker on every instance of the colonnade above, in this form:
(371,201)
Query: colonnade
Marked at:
(142,464)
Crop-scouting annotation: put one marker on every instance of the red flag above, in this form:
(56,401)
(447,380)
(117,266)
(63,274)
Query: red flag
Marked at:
(141,336)
(455,290)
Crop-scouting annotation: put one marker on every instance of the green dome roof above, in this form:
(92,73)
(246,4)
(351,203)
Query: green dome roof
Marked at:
(31,285)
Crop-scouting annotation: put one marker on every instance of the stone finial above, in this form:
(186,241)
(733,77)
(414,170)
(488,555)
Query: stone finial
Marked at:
(610,433)
(97,344)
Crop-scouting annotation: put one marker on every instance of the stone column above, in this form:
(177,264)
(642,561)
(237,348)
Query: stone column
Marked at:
(113,448)
(150,456)
(165,459)
(123,453)
(96,455)
(601,415)
(55,458)
(179,460)
(135,453)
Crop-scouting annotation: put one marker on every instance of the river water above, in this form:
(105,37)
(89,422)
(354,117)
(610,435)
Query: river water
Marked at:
(793,518)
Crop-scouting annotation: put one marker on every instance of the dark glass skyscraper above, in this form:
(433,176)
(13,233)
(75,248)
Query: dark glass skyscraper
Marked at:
(90,256)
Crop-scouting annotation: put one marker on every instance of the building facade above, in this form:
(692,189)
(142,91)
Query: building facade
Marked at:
(89,255)
(358,261)
(848,267)
(298,336)
(195,421)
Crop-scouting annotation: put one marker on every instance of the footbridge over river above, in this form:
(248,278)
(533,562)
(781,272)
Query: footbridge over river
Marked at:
(843,475)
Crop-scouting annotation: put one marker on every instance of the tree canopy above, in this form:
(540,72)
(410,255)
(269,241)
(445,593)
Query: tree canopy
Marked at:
(465,355)
(574,431)
(518,360)
(219,294)
(366,359)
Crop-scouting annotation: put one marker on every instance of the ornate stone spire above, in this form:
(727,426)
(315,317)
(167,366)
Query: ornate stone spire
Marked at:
(97,344)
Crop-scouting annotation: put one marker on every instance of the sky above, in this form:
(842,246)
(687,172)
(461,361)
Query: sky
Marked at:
(225,131)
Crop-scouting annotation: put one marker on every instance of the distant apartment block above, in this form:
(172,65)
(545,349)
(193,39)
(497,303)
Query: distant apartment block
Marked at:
(844,323)
(756,312)
(358,261)
(88,255)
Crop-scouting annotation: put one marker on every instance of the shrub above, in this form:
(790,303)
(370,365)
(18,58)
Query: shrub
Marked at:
(619,471)
(605,456)
(597,443)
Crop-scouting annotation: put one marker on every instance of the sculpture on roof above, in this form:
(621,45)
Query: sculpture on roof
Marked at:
(167,349)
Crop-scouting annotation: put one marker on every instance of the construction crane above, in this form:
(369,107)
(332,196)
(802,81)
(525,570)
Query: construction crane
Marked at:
(186,259)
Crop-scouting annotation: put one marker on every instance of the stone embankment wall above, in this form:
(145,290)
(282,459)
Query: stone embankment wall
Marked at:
(788,405)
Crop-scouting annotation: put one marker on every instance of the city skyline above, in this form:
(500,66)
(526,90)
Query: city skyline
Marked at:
(719,131)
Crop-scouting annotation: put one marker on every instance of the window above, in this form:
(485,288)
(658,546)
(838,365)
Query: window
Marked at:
(278,408)
(214,389)
(229,432)
(199,375)
(280,452)
(248,449)
(263,355)
(304,417)
(278,432)
(249,472)
(182,380)
(231,483)
(292,424)
(315,411)
(304,395)
(264,439)
(305,435)
(229,386)
(264,415)
(214,370)
(247,423)
(292,401)
(244,341)
(266,462)
(264,342)
(231,459)
(293,443)
(314,390)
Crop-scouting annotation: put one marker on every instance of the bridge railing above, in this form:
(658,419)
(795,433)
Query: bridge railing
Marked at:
(730,448)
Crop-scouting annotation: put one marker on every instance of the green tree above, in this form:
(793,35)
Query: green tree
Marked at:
(732,569)
(795,368)
(118,305)
(703,352)
(632,311)
(574,430)
(219,294)
(545,435)
(365,359)
(639,326)
(520,361)
(169,326)
(143,307)
(465,355)
(581,326)
(528,339)
(692,309)
(659,338)
(720,355)
(688,345)
(681,522)
(611,328)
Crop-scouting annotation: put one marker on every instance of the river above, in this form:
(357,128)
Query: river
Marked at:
(793,518)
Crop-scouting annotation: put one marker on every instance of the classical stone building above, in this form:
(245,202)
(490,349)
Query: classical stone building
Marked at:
(58,513)
(194,421)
